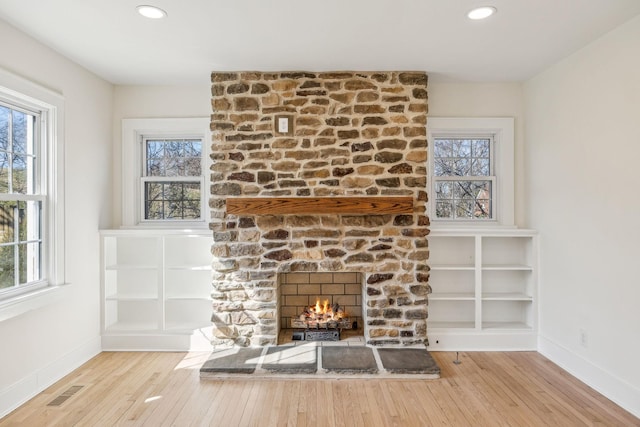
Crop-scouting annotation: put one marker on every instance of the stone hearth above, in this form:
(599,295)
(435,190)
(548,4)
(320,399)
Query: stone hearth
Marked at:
(354,134)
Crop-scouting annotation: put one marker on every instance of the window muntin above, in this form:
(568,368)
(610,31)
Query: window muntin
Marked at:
(172,180)
(22,199)
(463,178)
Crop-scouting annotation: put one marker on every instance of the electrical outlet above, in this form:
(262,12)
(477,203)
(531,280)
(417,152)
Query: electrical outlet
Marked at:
(584,339)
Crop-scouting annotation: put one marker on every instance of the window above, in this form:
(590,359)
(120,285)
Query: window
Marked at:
(172,181)
(21,198)
(163,172)
(471,171)
(31,191)
(463,178)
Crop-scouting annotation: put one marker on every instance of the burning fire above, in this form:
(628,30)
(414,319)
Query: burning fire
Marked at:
(324,311)
(324,308)
(323,315)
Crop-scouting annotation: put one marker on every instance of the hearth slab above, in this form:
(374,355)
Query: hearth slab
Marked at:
(301,359)
(408,361)
(349,360)
(233,361)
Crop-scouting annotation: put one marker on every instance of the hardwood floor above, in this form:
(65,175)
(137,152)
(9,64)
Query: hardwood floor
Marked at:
(164,389)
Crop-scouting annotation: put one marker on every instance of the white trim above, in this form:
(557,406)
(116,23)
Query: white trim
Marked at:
(470,340)
(28,301)
(616,389)
(132,132)
(37,381)
(501,128)
(22,91)
(198,340)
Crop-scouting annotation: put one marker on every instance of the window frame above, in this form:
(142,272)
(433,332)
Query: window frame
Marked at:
(134,133)
(145,178)
(22,94)
(500,130)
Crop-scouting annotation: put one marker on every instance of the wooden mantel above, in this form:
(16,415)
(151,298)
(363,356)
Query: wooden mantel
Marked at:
(319,205)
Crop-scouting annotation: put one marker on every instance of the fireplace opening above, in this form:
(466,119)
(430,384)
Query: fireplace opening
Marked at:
(320,306)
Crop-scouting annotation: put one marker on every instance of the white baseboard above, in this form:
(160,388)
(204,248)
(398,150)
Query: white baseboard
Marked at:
(32,384)
(198,340)
(484,341)
(616,389)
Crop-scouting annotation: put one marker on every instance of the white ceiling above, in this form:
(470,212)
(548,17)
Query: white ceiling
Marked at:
(199,36)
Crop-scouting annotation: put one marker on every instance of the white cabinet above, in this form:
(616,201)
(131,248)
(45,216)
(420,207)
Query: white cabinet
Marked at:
(484,286)
(156,288)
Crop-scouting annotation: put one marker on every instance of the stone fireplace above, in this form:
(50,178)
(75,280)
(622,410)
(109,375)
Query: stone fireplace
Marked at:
(319,196)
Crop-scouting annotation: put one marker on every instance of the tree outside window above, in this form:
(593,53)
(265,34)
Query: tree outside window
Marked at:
(172,179)
(463,178)
(21,200)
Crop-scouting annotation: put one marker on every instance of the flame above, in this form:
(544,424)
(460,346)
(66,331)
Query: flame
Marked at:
(324,311)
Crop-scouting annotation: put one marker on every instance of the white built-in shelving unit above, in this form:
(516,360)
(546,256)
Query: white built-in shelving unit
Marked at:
(156,287)
(484,289)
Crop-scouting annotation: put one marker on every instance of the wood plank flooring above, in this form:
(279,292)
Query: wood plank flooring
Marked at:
(164,389)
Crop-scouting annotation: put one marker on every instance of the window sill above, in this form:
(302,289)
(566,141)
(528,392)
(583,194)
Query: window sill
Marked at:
(20,304)
(470,227)
(184,227)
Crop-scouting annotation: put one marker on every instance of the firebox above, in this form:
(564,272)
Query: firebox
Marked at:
(320,306)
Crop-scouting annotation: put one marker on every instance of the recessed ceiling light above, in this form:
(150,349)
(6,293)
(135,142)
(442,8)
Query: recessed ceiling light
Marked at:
(151,12)
(481,12)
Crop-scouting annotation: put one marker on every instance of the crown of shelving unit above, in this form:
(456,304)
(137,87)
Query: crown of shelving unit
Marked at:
(484,290)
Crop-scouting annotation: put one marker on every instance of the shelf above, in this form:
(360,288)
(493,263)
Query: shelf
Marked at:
(128,267)
(505,325)
(452,296)
(127,297)
(186,326)
(190,267)
(156,287)
(506,251)
(454,312)
(506,297)
(484,285)
(507,267)
(452,252)
(376,205)
(131,327)
(451,267)
(188,298)
(450,325)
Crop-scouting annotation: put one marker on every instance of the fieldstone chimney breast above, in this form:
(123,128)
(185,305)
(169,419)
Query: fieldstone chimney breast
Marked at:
(355,135)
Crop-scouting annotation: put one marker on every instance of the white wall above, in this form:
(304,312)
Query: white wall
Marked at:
(38,347)
(582,153)
(445,100)
(486,100)
(151,102)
